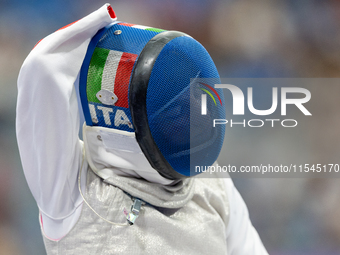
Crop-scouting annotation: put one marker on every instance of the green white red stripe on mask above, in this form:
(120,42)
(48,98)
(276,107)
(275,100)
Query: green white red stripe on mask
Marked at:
(109,76)
(142,27)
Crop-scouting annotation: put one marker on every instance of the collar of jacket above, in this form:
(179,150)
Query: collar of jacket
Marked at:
(116,157)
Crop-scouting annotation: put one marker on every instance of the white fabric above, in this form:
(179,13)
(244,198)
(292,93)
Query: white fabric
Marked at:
(104,157)
(242,238)
(47,132)
(48,119)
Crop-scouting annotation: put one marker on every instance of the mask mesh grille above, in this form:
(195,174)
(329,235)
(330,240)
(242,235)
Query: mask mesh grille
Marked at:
(183,135)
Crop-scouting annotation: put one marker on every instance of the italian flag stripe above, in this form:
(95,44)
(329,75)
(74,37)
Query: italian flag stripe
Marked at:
(126,24)
(140,27)
(110,70)
(158,30)
(123,76)
(95,73)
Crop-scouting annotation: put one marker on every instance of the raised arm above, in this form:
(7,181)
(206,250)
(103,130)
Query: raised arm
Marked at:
(47,120)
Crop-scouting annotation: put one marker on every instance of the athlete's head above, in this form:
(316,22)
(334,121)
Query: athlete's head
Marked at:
(149,81)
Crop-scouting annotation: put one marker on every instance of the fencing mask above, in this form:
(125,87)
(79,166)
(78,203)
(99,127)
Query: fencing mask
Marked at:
(149,81)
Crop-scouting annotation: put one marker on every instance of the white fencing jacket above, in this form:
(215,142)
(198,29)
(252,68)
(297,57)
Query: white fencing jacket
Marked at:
(47,125)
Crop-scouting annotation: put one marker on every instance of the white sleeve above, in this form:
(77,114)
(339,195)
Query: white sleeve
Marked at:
(47,120)
(242,238)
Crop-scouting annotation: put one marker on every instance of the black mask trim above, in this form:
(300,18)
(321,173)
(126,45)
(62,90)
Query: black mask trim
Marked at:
(137,101)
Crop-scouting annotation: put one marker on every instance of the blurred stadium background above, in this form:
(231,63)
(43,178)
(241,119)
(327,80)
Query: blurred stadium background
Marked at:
(264,38)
